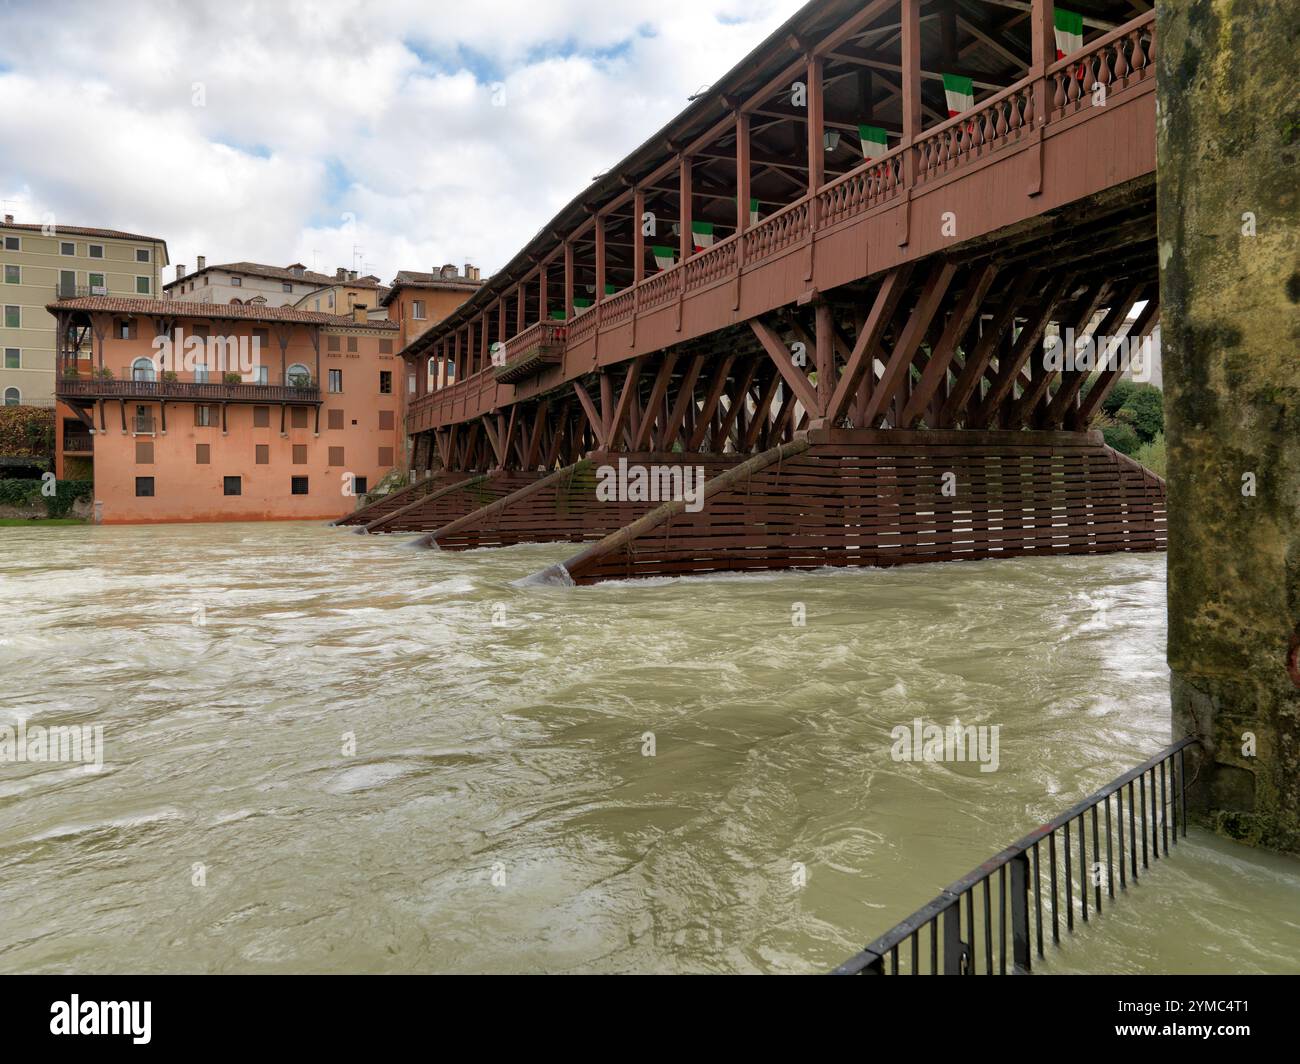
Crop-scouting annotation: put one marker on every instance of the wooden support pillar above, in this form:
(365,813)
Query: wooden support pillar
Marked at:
(742,172)
(568,280)
(687,235)
(825,357)
(600,257)
(638,236)
(520,305)
(911,77)
(543,299)
(817,126)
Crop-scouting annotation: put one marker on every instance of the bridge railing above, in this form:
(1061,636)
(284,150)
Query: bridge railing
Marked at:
(961,944)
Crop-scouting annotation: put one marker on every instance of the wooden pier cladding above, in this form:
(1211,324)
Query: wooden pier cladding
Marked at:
(862,498)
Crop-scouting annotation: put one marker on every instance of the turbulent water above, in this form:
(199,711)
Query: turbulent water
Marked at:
(499,812)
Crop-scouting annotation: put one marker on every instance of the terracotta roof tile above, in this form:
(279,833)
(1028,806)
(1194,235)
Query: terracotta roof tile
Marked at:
(228,311)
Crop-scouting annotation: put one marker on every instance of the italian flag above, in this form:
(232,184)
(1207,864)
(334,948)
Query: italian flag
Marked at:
(581,304)
(754,216)
(960,93)
(610,290)
(875,142)
(1069,32)
(664,257)
(702,233)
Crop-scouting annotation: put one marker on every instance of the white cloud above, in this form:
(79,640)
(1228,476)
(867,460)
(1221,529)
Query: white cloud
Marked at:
(381,112)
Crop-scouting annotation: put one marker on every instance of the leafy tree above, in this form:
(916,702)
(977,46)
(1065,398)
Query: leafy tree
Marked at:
(1119,397)
(1122,437)
(1147,406)
(1152,455)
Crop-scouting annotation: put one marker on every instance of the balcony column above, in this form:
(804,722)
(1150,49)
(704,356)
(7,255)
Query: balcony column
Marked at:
(568,280)
(742,172)
(638,235)
(520,306)
(543,300)
(686,243)
(483,323)
(600,257)
(911,76)
(817,126)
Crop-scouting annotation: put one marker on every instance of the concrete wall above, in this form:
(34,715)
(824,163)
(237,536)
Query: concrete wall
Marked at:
(1229,196)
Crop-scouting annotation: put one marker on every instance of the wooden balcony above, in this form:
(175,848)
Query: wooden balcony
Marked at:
(1037,147)
(525,356)
(92,389)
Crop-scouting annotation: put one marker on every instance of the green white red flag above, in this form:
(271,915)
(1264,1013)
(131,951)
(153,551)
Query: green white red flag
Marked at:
(1069,32)
(960,92)
(875,141)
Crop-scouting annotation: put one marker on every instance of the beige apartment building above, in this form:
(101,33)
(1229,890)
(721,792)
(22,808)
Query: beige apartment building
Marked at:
(346,292)
(42,263)
(246,284)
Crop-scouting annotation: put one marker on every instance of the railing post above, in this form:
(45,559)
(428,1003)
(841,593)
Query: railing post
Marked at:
(911,76)
(1020,952)
(954,950)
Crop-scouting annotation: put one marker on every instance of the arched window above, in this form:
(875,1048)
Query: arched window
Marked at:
(236,302)
(142,369)
(298,375)
(13,397)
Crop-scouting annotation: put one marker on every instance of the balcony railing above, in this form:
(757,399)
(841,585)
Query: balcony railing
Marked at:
(79,291)
(125,386)
(78,443)
(538,346)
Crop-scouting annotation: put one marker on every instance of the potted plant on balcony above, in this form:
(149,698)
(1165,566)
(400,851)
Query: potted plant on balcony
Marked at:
(103,373)
(231,378)
(301,381)
(169,376)
(71,372)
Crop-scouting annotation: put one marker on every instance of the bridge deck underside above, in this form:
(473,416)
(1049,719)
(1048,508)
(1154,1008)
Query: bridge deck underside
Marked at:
(859,498)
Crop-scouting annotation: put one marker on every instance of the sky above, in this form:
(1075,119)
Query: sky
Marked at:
(373,136)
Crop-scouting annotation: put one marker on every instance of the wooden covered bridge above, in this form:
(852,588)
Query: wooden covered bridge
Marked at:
(827,284)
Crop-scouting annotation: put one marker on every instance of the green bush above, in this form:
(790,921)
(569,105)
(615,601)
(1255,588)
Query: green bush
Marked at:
(1147,406)
(1121,437)
(1152,455)
(25,493)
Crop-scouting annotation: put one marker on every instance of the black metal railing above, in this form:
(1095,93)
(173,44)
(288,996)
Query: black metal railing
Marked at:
(957,949)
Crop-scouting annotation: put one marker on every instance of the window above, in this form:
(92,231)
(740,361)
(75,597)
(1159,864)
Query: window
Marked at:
(203,417)
(13,358)
(67,284)
(67,248)
(261,374)
(13,275)
(13,317)
(385,419)
(143,452)
(331,343)
(287,287)
(263,454)
(298,375)
(385,347)
(202,454)
(352,345)
(200,374)
(385,457)
(144,487)
(385,382)
(97,286)
(298,417)
(359,485)
(318,304)
(142,369)
(123,328)
(13,397)
(331,301)
(144,423)
(144,286)
(336,380)
(143,255)
(410,384)
(13,243)
(233,486)
(261,417)
(261,338)
(237,282)
(335,418)
(96,251)
(299,454)
(417,309)
(298,485)
(336,456)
